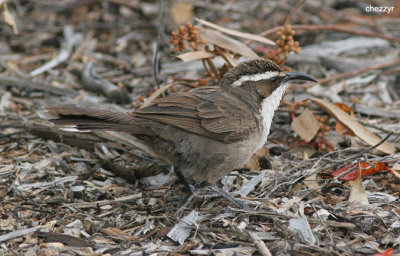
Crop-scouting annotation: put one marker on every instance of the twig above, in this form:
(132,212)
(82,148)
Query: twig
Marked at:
(18,233)
(29,85)
(156,58)
(279,180)
(213,69)
(351,158)
(360,71)
(262,248)
(156,94)
(379,127)
(70,39)
(94,83)
(353,73)
(122,199)
(323,224)
(362,152)
(293,12)
(336,28)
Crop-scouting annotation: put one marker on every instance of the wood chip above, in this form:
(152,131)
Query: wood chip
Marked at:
(301,227)
(181,231)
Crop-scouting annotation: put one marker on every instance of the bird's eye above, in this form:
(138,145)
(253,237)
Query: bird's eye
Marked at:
(274,79)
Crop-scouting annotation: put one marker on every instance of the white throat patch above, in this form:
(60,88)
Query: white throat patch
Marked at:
(268,107)
(257,77)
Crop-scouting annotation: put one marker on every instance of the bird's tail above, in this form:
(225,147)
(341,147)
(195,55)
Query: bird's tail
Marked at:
(72,118)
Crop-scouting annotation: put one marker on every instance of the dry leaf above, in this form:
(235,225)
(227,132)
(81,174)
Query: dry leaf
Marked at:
(197,55)
(262,152)
(367,169)
(358,129)
(345,108)
(358,196)
(252,164)
(388,252)
(236,33)
(222,41)
(306,125)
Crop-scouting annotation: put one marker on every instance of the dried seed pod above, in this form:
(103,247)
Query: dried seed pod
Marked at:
(288,28)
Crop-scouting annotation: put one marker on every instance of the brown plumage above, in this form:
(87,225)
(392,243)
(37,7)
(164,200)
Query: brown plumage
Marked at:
(205,132)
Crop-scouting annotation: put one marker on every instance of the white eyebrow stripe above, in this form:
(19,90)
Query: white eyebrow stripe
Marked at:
(256,77)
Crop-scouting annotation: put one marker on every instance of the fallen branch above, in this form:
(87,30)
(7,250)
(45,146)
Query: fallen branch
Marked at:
(336,28)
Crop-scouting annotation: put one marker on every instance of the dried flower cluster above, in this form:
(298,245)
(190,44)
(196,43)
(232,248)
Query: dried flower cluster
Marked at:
(185,35)
(286,45)
(321,143)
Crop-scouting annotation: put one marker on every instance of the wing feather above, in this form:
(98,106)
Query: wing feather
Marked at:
(206,111)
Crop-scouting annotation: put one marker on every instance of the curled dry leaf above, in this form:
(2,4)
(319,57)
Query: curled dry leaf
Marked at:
(197,55)
(222,41)
(236,33)
(358,129)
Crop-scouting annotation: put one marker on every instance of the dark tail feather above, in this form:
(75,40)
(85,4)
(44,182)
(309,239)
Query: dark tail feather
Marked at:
(70,118)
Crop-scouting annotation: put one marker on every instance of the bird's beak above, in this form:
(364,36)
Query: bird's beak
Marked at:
(297,76)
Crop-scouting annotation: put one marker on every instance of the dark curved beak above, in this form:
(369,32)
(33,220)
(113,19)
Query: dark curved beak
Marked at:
(297,76)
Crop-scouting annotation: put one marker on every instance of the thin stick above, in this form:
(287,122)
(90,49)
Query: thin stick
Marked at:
(156,58)
(293,12)
(262,248)
(323,224)
(336,28)
(353,73)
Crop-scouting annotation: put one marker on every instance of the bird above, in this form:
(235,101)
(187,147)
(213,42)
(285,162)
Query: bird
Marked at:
(205,132)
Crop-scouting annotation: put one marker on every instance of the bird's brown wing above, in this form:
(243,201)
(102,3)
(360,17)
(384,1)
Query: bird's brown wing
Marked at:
(205,111)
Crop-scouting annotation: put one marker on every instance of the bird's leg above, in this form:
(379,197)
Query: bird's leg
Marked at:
(183,179)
